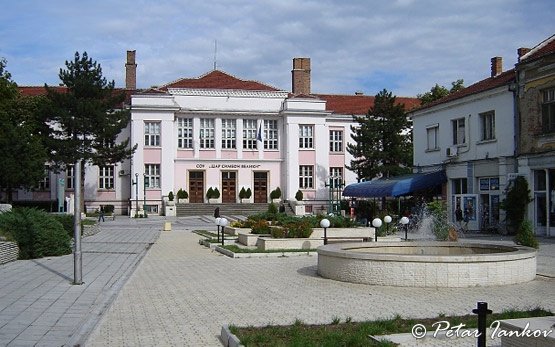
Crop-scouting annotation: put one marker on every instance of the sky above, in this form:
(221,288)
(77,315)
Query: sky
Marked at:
(404,46)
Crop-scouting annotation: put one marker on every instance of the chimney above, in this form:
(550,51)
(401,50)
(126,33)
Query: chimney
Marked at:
(522,51)
(301,76)
(496,66)
(131,71)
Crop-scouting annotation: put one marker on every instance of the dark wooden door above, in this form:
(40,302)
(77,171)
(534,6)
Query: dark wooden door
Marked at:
(260,187)
(229,191)
(196,186)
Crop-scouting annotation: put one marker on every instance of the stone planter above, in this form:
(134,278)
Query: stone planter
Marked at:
(235,231)
(346,232)
(182,201)
(248,239)
(268,243)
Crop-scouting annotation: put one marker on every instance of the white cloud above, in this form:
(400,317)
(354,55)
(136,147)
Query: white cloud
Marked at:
(406,46)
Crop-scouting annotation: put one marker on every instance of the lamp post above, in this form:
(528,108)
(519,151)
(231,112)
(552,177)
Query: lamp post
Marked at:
(218,223)
(223,223)
(405,221)
(387,219)
(144,192)
(136,194)
(325,223)
(376,223)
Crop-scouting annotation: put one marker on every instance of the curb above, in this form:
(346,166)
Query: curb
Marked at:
(231,254)
(228,339)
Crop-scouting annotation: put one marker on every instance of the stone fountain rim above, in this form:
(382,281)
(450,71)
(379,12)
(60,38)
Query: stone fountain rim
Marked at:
(342,250)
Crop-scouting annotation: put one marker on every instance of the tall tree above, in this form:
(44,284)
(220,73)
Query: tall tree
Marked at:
(382,140)
(83,120)
(23,156)
(437,92)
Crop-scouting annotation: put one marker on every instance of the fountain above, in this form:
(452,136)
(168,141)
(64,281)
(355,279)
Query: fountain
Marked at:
(427,264)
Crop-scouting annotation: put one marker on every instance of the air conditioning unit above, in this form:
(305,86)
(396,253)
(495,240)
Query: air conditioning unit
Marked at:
(452,151)
(122,173)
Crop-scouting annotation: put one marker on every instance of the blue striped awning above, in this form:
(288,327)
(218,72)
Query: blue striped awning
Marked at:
(395,186)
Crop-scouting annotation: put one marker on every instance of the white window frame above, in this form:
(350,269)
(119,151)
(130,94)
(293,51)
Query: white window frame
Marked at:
(44,184)
(459,131)
(306,136)
(271,134)
(152,134)
(207,133)
(106,177)
(249,134)
(152,176)
(336,175)
(336,141)
(432,137)
(306,177)
(229,133)
(487,123)
(185,133)
(70,176)
(548,110)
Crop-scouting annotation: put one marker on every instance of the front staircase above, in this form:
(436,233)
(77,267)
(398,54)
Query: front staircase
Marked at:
(189,209)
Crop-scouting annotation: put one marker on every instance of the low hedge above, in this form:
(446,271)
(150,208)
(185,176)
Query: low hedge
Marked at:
(37,234)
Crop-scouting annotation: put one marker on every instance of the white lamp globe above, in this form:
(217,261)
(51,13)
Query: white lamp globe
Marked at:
(218,221)
(376,223)
(223,222)
(325,223)
(387,219)
(405,220)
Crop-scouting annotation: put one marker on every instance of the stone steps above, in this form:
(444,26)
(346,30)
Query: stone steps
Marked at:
(184,210)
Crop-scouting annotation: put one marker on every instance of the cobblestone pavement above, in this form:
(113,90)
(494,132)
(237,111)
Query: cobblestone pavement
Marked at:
(182,293)
(40,306)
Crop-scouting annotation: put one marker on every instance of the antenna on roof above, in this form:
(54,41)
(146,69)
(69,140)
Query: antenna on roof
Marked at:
(215,53)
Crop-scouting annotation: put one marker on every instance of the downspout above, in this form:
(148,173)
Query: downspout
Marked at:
(547,202)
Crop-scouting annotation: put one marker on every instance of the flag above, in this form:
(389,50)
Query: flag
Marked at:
(259,135)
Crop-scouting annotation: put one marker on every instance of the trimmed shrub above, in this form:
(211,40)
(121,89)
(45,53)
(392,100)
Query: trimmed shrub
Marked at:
(260,227)
(249,193)
(299,229)
(275,194)
(170,196)
(278,232)
(299,195)
(37,234)
(108,209)
(182,194)
(525,235)
(210,193)
(242,193)
(216,193)
(272,209)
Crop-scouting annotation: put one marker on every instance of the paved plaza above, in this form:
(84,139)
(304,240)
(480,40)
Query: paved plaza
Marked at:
(170,291)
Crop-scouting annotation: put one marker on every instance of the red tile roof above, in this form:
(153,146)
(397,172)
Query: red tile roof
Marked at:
(218,80)
(359,104)
(36,90)
(504,78)
(545,47)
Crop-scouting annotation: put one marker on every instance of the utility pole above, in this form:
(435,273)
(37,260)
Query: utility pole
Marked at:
(77,256)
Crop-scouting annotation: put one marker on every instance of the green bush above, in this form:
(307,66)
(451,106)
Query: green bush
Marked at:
(242,193)
(182,194)
(66,220)
(278,232)
(299,195)
(516,202)
(108,209)
(299,229)
(216,193)
(170,196)
(440,225)
(275,194)
(260,227)
(525,235)
(37,234)
(210,193)
(272,209)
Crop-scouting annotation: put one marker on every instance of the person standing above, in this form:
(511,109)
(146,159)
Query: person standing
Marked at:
(101,214)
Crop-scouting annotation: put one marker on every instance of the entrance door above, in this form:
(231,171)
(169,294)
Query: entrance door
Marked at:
(261,187)
(196,186)
(229,192)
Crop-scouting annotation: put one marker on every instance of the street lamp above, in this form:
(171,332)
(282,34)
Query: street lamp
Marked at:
(325,223)
(219,223)
(144,192)
(136,183)
(376,223)
(405,221)
(223,223)
(387,220)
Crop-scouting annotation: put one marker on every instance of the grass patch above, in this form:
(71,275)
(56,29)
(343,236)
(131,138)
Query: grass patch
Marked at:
(237,249)
(206,233)
(356,334)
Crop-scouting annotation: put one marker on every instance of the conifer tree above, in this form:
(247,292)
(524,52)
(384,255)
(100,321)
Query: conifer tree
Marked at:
(382,140)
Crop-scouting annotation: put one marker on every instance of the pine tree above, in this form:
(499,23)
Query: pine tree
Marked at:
(83,121)
(382,140)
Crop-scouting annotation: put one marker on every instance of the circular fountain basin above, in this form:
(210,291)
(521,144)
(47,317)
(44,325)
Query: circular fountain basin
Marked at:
(427,264)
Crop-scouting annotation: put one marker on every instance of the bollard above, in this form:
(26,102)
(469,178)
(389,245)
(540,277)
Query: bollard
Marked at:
(167,226)
(482,312)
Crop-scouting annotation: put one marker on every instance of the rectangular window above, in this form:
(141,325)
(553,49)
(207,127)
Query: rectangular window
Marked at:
(459,186)
(185,132)
(249,134)
(336,177)
(106,177)
(229,133)
(152,176)
(70,176)
(306,136)
(270,134)
(305,177)
(431,138)
(548,110)
(152,134)
(206,133)
(459,137)
(336,141)
(44,184)
(487,121)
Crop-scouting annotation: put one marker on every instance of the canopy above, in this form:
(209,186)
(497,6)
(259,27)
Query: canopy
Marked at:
(395,186)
